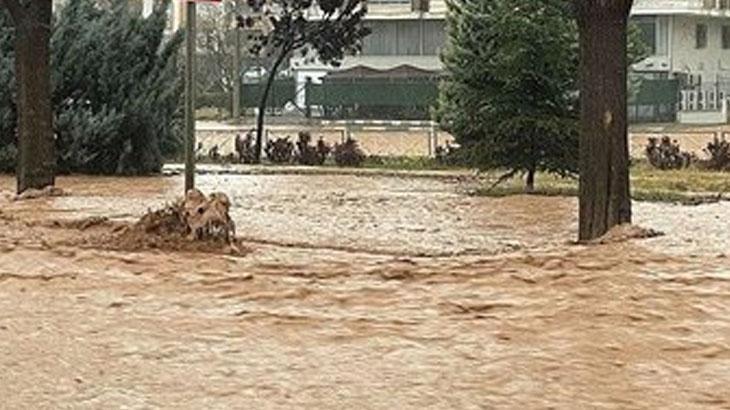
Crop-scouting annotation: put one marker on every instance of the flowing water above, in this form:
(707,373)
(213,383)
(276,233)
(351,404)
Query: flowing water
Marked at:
(363,293)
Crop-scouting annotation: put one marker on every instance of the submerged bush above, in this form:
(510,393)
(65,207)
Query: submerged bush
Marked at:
(311,154)
(667,154)
(280,150)
(245,148)
(719,155)
(349,154)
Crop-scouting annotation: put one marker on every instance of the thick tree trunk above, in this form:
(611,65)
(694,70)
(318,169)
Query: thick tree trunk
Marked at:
(604,156)
(37,157)
(262,106)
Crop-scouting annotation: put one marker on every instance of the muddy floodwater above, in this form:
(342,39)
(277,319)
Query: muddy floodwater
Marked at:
(362,293)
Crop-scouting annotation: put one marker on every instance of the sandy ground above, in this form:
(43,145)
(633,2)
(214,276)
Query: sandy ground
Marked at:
(362,293)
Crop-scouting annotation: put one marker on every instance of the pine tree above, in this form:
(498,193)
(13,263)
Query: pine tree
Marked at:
(510,96)
(8,142)
(116,89)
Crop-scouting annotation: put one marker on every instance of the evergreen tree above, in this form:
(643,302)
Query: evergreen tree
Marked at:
(510,95)
(116,89)
(8,143)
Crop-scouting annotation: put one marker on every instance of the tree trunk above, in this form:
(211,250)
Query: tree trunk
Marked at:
(262,106)
(604,156)
(530,181)
(37,157)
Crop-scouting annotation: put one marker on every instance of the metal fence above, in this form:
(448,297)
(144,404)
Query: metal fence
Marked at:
(404,99)
(654,101)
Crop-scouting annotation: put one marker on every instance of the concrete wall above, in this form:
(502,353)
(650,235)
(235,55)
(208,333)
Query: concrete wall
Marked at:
(685,57)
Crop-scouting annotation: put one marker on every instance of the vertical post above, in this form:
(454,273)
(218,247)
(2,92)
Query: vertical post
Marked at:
(307,99)
(190,97)
(236,109)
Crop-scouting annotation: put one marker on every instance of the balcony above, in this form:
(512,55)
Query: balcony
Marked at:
(712,8)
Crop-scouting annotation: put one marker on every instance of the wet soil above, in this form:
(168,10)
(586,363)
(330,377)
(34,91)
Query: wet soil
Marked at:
(360,292)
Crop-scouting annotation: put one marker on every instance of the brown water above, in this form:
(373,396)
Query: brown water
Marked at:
(364,293)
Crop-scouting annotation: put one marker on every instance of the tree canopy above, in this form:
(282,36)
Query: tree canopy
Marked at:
(510,96)
(326,32)
(116,89)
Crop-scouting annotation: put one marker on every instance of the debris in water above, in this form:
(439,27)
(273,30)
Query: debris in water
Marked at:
(626,232)
(47,192)
(195,223)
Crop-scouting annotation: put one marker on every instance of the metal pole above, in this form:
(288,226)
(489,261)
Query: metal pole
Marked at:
(190,97)
(236,109)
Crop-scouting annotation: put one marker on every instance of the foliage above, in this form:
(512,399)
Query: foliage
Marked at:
(509,93)
(349,154)
(8,141)
(245,148)
(447,155)
(116,91)
(327,33)
(666,154)
(280,150)
(308,154)
(719,155)
(510,96)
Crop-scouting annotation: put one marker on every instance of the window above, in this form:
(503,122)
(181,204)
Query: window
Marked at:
(404,37)
(648,28)
(725,37)
(701,36)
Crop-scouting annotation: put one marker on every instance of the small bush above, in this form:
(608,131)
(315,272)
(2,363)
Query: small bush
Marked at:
(447,154)
(311,155)
(719,155)
(666,154)
(280,150)
(349,154)
(245,148)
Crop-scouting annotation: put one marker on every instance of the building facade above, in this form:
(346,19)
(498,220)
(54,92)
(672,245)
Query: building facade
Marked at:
(404,33)
(690,42)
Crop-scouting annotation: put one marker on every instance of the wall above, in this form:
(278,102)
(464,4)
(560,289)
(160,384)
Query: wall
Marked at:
(710,61)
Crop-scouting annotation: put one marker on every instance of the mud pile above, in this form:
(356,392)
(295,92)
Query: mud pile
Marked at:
(196,223)
(624,233)
(47,192)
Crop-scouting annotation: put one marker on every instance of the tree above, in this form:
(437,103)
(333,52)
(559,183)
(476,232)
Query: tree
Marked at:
(216,42)
(336,30)
(116,107)
(8,140)
(509,95)
(36,155)
(604,154)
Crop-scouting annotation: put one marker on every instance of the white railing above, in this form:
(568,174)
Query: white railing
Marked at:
(709,7)
(702,99)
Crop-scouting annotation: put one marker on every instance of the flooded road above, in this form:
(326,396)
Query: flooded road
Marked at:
(364,293)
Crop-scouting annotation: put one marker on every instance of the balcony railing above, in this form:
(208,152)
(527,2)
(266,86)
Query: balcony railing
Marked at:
(707,7)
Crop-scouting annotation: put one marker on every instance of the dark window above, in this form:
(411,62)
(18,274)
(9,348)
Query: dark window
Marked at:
(647,27)
(701,36)
(725,37)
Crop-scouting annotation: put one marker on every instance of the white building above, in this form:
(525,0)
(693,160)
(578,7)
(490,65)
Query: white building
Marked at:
(690,40)
(400,36)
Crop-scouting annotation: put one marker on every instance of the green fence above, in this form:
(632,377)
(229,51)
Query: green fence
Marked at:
(654,101)
(282,92)
(374,98)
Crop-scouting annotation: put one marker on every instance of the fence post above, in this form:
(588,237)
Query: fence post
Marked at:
(431,147)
